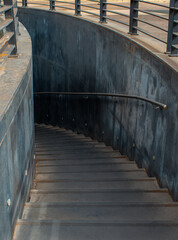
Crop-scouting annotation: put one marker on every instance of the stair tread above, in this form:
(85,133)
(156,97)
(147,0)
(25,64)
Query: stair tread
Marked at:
(87,168)
(130,184)
(80,230)
(77,158)
(82,162)
(101,211)
(78,154)
(94,196)
(94,175)
(101,204)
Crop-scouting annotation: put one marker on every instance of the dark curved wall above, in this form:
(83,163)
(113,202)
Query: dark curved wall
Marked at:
(17,140)
(70,54)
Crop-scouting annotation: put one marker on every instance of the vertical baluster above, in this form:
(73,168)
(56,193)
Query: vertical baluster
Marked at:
(134,5)
(102,11)
(52,5)
(77,8)
(172,41)
(24,3)
(11,13)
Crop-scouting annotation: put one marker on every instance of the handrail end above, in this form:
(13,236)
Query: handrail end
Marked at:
(165,107)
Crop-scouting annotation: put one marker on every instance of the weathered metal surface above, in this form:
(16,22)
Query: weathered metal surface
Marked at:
(90,58)
(16,135)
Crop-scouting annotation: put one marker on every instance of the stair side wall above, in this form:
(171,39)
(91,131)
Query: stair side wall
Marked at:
(16,134)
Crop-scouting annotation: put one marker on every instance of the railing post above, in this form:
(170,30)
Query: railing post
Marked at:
(13,26)
(134,4)
(52,5)
(24,3)
(172,40)
(77,8)
(102,11)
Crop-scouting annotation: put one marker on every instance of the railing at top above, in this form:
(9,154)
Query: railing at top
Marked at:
(156,20)
(8,29)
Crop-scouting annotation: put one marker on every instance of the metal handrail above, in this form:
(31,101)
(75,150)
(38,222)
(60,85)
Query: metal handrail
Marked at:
(116,4)
(95,14)
(118,95)
(152,3)
(65,2)
(118,13)
(37,3)
(152,14)
(152,25)
(85,5)
(148,34)
(58,6)
(115,20)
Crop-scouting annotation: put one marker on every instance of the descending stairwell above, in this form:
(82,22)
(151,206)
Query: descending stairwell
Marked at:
(84,190)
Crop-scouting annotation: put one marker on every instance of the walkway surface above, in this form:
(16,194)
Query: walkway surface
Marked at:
(84,190)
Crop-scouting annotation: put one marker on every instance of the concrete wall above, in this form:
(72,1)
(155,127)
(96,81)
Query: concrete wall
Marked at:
(71,54)
(16,134)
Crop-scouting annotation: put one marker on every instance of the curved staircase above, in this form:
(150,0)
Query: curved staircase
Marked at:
(84,190)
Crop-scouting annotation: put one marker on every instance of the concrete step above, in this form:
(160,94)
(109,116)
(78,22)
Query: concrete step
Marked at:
(102,230)
(59,142)
(76,142)
(58,139)
(67,136)
(95,195)
(61,135)
(79,158)
(52,129)
(94,153)
(84,161)
(71,184)
(119,175)
(43,126)
(78,152)
(101,211)
(66,155)
(86,168)
(75,146)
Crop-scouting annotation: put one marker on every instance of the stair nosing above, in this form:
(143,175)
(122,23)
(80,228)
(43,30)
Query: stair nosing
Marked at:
(95,190)
(92,171)
(62,158)
(96,180)
(97,223)
(88,164)
(101,204)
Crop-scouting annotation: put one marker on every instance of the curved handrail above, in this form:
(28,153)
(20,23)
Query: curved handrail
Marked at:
(154,103)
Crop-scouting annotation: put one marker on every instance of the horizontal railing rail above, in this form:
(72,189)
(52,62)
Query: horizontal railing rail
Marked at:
(8,29)
(117,95)
(159,23)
